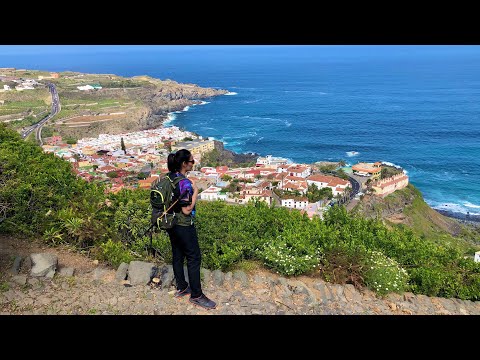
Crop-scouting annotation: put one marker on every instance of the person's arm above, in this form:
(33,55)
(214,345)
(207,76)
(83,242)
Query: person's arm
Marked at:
(188,209)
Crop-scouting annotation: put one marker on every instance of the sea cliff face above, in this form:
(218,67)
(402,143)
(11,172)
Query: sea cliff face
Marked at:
(153,99)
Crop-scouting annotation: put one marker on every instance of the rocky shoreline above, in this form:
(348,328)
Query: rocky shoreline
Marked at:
(461,217)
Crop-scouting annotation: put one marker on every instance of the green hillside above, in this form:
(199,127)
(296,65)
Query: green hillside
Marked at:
(41,197)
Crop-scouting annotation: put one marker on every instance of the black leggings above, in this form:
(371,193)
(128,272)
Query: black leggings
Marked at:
(184,242)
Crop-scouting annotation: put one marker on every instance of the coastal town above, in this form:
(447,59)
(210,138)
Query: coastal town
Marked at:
(136,160)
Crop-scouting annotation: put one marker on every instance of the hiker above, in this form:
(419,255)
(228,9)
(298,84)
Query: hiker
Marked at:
(183,235)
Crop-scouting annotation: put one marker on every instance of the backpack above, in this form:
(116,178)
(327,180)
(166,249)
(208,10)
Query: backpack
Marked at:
(162,201)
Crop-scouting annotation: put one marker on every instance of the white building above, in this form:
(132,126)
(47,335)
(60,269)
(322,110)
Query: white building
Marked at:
(477,256)
(269,160)
(337,185)
(212,194)
(295,203)
(85,87)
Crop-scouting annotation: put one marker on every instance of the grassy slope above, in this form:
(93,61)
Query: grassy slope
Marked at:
(415,214)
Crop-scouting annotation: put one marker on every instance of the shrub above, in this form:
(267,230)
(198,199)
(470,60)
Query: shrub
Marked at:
(288,257)
(384,274)
(115,252)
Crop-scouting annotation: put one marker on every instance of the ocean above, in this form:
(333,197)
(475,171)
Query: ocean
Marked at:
(414,106)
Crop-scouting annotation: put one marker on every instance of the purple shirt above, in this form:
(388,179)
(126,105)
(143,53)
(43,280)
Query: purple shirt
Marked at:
(186,188)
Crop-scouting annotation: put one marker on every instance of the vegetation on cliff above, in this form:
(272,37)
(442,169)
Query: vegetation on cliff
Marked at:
(40,196)
(406,209)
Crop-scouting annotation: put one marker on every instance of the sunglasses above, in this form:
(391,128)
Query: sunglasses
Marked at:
(191,161)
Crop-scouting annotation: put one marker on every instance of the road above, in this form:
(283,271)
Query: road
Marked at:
(55,110)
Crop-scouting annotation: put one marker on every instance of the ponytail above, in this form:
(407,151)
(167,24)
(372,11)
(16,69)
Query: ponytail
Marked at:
(172,167)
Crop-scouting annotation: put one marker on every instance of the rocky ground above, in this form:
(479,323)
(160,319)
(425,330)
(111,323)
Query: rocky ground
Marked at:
(94,289)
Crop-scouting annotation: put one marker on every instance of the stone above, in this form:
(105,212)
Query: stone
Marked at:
(218,277)
(205,275)
(19,279)
(139,272)
(241,277)
(351,294)
(50,274)
(325,294)
(408,296)
(392,306)
(66,271)
(95,262)
(99,273)
(228,277)
(282,281)
(16,265)
(258,279)
(34,282)
(27,264)
(167,276)
(121,273)
(43,264)
(338,290)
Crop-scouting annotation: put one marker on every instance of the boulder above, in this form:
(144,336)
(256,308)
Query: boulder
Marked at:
(167,276)
(139,272)
(43,264)
(121,273)
(16,265)
(66,271)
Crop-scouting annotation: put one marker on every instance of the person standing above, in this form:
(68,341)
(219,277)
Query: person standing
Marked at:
(183,236)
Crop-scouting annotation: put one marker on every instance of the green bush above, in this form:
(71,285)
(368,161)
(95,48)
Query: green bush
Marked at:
(114,253)
(385,275)
(289,254)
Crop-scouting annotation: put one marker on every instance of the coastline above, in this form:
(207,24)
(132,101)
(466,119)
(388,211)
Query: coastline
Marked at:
(460,217)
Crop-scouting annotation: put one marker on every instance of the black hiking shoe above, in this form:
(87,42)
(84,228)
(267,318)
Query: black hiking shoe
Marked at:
(182,293)
(204,302)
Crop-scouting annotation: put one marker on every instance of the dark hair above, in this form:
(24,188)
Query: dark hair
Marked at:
(175,160)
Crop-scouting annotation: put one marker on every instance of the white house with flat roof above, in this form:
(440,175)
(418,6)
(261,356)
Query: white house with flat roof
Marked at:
(477,256)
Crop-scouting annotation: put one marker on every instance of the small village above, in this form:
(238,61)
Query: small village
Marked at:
(136,160)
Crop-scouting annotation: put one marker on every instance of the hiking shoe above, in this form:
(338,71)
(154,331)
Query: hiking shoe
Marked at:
(182,293)
(204,302)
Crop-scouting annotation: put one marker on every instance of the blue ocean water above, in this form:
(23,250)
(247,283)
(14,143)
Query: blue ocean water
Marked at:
(414,106)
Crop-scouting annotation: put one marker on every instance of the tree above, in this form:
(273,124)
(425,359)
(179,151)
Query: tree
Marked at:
(112,174)
(226,177)
(342,163)
(141,176)
(122,144)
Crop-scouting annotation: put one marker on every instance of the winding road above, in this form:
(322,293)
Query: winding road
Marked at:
(55,110)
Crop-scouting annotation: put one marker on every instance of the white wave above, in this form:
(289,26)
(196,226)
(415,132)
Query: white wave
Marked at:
(208,128)
(251,101)
(352,153)
(287,123)
(204,103)
(170,118)
(391,164)
(186,108)
(260,139)
(177,112)
(470,205)
(231,93)
(450,207)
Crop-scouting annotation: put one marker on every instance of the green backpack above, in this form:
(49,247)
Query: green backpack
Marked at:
(162,201)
